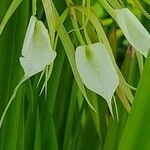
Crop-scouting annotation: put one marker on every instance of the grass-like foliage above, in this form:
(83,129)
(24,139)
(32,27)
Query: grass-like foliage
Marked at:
(74,75)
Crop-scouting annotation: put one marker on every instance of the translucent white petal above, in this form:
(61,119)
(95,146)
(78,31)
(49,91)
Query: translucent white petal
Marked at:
(96,70)
(37,51)
(133,30)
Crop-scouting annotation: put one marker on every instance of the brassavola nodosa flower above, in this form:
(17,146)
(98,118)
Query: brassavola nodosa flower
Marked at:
(97,71)
(37,53)
(133,30)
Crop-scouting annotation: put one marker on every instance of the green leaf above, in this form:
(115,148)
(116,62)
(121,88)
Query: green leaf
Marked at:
(136,134)
(14,5)
(10,72)
(36,51)
(133,30)
(147,1)
(37,142)
(139,5)
(97,71)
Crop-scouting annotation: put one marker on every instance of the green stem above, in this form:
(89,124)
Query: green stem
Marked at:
(50,19)
(108,8)
(85,21)
(140,61)
(144,12)
(33,7)
(121,2)
(75,25)
(11,99)
(115,4)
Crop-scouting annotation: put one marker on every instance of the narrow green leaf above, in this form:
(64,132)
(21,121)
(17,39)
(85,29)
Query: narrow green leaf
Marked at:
(10,48)
(70,115)
(139,5)
(49,141)
(147,1)
(10,100)
(9,13)
(21,125)
(136,134)
(30,129)
(37,142)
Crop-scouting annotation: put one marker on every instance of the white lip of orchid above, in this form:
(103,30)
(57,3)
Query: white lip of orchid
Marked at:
(36,51)
(97,71)
(133,30)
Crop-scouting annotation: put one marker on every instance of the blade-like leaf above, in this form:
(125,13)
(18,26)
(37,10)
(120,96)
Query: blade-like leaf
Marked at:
(136,134)
(10,72)
(9,13)
(96,70)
